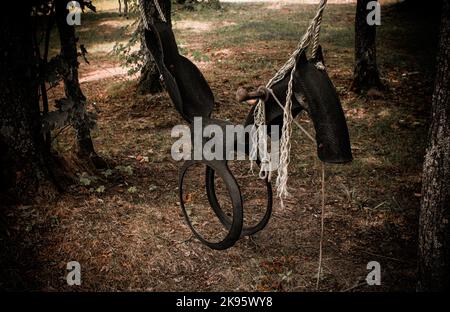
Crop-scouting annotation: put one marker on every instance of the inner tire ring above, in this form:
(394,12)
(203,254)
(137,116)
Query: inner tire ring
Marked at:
(224,219)
(235,227)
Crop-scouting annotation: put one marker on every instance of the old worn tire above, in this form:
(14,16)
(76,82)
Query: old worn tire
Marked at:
(224,219)
(234,226)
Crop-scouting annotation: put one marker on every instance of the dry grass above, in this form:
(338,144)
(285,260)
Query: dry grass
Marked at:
(132,236)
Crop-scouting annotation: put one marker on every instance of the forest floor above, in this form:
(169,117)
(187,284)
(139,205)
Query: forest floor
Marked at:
(124,225)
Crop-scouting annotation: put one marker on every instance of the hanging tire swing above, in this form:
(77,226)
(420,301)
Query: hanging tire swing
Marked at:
(298,78)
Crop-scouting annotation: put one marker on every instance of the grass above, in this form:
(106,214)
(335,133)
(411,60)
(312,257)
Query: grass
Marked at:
(137,240)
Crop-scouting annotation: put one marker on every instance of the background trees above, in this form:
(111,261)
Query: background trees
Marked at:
(23,165)
(81,120)
(26,73)
(149,82)
(141,60)
(434,235)
(27,162)
(366,75)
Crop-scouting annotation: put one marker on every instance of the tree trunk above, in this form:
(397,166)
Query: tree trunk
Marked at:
(23,166)
(434,229)
(149,82)
(366,75)
(81,121)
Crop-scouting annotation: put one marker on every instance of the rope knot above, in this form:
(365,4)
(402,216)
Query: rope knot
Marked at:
(319,65)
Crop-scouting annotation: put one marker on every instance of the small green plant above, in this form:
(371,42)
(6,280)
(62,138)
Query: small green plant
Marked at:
(132,190)
(100,189)
(86,180)
(125,169)
(107,173)
(199,56)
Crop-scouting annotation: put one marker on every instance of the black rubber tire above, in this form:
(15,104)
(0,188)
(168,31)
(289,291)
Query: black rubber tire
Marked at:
(224,219)
(235,226)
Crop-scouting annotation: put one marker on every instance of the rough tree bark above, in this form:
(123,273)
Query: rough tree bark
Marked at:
(69,52)
(23,160)
(434,229)
(366,75)
(149,82)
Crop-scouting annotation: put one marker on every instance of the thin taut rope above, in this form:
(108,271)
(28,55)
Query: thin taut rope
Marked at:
(322,214)
(322,219)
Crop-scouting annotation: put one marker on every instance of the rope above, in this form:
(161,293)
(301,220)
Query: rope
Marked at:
(322,214)
(144,16)
(294,121)
(311,37)
(161,14)
(322,217)
(258,135)
(315,43)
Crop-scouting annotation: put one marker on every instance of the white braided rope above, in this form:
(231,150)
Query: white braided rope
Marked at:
(161,14)
(285,142)
(315,40)
(310,37)
(144,16)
